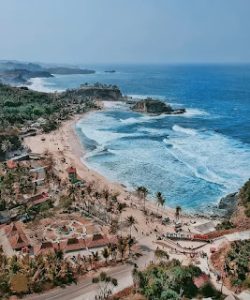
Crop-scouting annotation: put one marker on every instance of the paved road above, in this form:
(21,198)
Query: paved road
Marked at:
(86,290)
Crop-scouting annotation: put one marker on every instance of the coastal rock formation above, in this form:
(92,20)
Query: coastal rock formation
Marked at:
(152,106)
(103,92)
(229,203)
(69,71)
(22,76)
(13,72)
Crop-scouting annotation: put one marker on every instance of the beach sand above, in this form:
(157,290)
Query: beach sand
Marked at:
(65,147)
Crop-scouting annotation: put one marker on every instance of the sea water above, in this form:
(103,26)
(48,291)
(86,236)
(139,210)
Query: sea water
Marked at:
(193,159)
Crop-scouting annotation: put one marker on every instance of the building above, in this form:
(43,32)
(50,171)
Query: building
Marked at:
(11,164)
(72,174)
(44,248)
(37,199)
(16,236)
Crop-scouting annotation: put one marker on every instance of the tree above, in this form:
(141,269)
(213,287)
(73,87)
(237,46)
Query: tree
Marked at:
(131,221)
(106,254)
(142,192)
(121,246)
(113,250)
(177,212)
(106,285)
(6,146)
(120,208)
(131,242)
(161,254)
(160,200)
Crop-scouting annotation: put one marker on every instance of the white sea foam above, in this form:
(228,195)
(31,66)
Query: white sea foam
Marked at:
(113,104)
(137,96)
(211,157)
(194,112)
(40,85)
(188,131)
(191,166)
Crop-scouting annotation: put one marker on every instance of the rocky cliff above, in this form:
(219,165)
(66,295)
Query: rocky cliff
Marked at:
(229,203)
(104,92)
(152,106)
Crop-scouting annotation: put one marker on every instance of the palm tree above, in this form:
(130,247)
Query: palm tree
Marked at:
(131,221)
(160,200)
(106,196)
(131,242)
(177,212)
(121,207)
(105,254)
(113,250)
(121,246)
(96,258)
(142,192)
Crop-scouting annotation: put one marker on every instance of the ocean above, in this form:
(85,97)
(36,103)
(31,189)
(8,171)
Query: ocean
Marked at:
(193,159)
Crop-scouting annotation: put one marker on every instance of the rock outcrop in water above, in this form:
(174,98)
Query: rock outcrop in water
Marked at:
(229,203)
(152,106)
(98,91)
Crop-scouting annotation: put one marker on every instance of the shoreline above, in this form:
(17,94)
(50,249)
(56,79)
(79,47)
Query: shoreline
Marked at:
(64,144)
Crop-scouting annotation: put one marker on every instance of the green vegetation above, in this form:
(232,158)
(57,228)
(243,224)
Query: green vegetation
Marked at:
(224,225)
(237,264)
(9,142)
(245,197)
(18,180)
(24,274)
(171,280)
(20,107)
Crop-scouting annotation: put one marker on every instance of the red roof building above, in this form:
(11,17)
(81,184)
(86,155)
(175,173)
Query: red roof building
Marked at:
(75,244)
(72,244)
(16,236)
(201,280)
(11,164)
(45,248)
(71,170)
(38,199)
(72,173)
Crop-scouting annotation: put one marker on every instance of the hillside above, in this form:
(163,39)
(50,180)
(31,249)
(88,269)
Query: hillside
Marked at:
(14,72)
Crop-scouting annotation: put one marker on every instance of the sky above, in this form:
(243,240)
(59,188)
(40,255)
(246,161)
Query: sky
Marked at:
(125,31)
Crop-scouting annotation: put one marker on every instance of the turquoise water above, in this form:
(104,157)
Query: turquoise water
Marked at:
(193,159)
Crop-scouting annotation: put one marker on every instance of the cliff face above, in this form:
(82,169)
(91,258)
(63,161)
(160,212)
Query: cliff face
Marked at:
(152,106)
(103,93)
(229,203)
(18,76)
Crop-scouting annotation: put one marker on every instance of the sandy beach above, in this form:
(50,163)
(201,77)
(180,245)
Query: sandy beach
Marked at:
(65,147)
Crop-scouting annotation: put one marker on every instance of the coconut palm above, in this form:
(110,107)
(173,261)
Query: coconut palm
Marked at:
(120,208)
(121,246)
(142,192)
(113,250)
(131,221)
(177,212)
(106,254)
(131,243)
(160,200)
